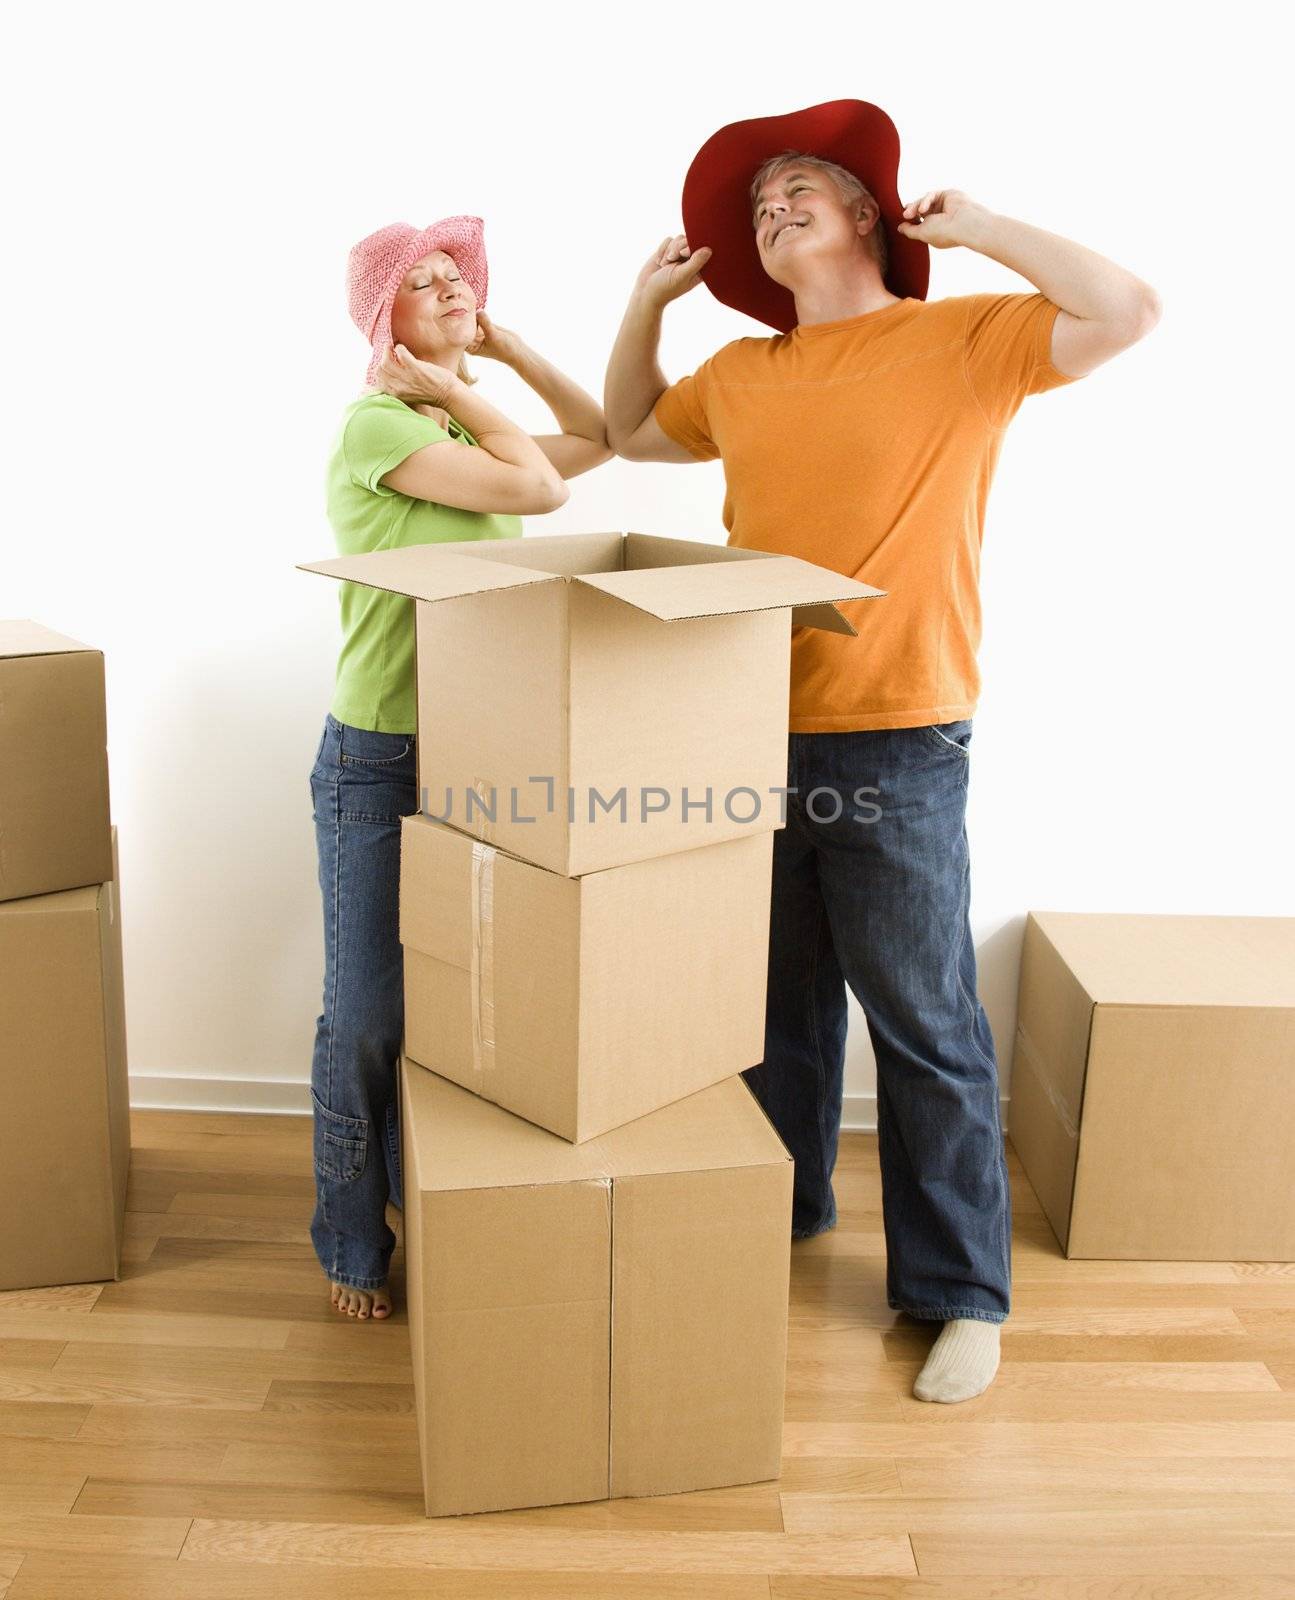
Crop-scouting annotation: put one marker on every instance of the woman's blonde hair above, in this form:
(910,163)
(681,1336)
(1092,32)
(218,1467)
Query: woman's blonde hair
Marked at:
(851,191)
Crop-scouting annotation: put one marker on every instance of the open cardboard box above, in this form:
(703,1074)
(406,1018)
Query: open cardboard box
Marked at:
(589,700)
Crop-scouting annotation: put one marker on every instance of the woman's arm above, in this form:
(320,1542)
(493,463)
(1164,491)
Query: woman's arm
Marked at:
(582,444)
(509,473)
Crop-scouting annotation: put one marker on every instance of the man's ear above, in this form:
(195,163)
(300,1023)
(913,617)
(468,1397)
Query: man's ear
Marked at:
(869,212)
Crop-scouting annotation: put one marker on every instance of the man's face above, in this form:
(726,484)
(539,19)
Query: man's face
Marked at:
(800,217)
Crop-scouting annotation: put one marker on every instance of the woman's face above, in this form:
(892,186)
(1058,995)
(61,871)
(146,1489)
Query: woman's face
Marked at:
(434,314)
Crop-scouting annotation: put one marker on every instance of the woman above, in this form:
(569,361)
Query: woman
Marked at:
(420,458)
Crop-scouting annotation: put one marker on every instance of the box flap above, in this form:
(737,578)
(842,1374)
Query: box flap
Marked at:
(723,588)
(1165,959)
(466,1142)
(427,572)
(20,636)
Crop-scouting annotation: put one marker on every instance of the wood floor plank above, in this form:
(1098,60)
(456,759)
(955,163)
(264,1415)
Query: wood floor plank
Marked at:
(54,1577)
(111,1497)
(48,1494)
(1243,1439)
(342,1399)
(21,1420)
(173,1224)
(453,1542)
(22,1355)
(1050,1588)
(45,1458)
(244,1331)
(1236,1556)
(1051,1471)
(10,1561)
(142,1536)
(1107,1514)
(241,1205)
(66,1297)
(128,1426)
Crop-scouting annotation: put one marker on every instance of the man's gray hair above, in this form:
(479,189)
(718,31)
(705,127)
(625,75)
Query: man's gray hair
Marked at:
(851,191)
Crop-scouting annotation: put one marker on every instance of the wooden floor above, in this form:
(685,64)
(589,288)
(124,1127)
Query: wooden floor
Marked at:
(208,1429)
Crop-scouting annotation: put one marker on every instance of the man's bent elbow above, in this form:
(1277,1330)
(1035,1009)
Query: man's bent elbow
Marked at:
(1144,313)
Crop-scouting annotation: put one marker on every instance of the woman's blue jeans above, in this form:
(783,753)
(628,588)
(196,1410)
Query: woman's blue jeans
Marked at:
(362,785)
(871,884)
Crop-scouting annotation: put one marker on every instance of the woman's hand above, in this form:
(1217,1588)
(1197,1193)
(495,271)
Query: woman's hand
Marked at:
(410,379)
(497,343)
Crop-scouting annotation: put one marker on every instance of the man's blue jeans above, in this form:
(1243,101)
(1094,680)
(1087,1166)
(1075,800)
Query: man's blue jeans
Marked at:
(871,883)
(362,785)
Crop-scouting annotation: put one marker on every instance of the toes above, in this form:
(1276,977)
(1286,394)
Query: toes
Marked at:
(382,1304)
(362,1310)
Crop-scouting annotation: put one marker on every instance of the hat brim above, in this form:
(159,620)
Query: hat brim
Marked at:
(717,206)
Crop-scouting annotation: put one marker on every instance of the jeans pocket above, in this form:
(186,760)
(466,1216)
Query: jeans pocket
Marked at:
(341,1143)
(950,735)
(362,748)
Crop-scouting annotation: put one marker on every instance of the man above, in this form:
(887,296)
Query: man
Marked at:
(862,436)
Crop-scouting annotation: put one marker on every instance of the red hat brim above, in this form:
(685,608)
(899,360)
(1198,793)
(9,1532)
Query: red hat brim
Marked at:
(717,206)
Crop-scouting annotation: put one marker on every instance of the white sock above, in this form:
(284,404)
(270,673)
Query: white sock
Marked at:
(962,1362)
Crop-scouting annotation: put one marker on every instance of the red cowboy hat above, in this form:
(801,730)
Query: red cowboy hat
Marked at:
(717,205)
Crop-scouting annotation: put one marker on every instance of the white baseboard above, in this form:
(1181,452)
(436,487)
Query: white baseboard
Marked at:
(291,1096)
(155,1092)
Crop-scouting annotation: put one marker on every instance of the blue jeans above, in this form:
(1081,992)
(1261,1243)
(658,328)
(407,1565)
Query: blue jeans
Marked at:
(361,785)
(871,883)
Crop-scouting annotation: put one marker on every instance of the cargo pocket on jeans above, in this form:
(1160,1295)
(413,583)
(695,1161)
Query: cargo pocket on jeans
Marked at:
(341,1143)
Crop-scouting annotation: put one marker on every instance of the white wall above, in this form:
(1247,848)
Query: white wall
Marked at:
(186,184)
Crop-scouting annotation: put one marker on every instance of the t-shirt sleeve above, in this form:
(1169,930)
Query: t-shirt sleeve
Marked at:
(380,436)
(1008,351)
(682,411)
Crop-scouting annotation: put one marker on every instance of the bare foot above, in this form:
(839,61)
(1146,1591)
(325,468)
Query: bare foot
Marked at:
(361,1303)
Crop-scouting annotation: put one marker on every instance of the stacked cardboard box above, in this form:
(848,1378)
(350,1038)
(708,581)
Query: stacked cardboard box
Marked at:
(597,1211)
(65,1148)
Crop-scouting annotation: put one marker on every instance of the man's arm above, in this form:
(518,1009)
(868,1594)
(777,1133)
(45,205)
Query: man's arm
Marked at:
(1104,309)
(634,380)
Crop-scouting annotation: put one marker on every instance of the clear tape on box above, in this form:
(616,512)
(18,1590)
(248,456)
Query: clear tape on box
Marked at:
(483,958)
(1066,1113)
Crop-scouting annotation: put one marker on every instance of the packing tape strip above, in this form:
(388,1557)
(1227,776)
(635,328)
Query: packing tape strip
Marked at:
(483,957)
(1068,1115)
(484,813)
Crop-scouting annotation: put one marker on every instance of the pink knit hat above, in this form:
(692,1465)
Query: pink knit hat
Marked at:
(377,265)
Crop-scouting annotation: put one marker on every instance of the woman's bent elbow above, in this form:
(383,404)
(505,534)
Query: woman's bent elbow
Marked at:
(551,494)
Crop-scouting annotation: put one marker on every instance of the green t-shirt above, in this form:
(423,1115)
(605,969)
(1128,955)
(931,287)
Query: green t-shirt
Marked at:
(375,670)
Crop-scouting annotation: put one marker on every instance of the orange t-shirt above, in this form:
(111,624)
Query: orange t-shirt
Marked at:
(867,446)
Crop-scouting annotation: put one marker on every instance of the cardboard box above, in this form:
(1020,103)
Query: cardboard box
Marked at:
(593,1320)
(53,763)
(1153,1084)
(65,1146)
(595,699)
(583,1003)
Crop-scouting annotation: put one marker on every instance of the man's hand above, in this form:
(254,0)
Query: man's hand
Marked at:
(944,217)
(410,379)
(670,271)
(495,342)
